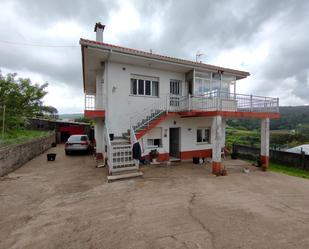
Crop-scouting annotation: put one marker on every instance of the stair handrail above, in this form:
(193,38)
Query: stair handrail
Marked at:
(162,104)
(133,138)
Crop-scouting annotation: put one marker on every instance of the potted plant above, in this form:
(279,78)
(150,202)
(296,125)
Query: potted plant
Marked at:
(153,155)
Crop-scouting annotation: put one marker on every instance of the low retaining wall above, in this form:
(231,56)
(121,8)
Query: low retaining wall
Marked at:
(290,159)
(13,157)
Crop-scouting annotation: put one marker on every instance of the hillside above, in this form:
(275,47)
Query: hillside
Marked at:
(292,117)
(71,116)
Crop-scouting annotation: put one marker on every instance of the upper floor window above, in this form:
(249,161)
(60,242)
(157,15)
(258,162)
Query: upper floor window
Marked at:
(144,86)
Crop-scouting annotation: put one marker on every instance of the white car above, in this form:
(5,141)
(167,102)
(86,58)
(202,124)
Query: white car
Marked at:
(77,143)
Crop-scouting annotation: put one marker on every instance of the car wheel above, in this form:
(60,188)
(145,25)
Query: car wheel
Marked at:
(67,152)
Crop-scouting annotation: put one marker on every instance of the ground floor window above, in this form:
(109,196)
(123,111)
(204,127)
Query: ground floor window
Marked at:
(203,135)
(154,143)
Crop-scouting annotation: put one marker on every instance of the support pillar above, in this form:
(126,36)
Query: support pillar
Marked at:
(99,129)
(265,143)
(217,143)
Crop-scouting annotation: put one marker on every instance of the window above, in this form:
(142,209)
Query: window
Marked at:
(144,86)
(148,87)
(175,87)
(154,143)
(202,83)
(203,135)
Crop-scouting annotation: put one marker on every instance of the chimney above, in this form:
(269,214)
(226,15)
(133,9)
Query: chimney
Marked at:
(99,28)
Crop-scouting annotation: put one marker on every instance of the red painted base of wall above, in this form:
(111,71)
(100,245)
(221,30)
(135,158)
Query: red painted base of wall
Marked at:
(161,158)
(216,168)
(186,155)
(99,156)
(265,162)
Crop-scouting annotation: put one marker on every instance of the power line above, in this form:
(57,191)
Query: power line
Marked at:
(38,45)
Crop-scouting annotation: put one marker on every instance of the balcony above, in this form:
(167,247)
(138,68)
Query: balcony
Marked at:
(92,107)
(227,104)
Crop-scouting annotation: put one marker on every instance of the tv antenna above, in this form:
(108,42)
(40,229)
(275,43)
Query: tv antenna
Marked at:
(198,56)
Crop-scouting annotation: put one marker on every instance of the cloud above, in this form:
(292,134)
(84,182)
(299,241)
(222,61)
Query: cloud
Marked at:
(266,38)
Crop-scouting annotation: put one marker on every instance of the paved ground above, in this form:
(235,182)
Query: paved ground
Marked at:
(68,204)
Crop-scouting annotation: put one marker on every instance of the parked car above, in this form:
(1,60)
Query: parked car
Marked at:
(78,143)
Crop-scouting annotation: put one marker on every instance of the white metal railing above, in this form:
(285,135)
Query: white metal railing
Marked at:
(89,102)
(144,117)
(225,101)
(212,101)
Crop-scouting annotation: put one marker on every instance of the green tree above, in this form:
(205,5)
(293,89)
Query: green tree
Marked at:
(21,99)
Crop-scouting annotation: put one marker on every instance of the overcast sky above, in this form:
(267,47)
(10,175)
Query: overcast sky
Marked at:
(268,38)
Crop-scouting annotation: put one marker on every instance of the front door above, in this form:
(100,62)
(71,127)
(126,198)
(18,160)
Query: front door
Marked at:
(174,142)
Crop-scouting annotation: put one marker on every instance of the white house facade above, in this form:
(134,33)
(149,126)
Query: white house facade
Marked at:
(176,106)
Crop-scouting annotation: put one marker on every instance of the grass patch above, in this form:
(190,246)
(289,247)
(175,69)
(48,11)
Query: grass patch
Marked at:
(289,170)
(21,136)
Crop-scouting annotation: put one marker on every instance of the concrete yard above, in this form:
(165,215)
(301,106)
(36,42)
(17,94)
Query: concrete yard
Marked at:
(69,204)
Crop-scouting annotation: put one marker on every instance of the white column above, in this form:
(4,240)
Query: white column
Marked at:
(99,129)
(216,144)
(265,143)
(99,90)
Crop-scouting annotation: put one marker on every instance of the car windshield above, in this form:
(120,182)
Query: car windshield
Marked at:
(77,138)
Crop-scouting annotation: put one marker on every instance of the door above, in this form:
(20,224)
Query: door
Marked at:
(175,93)
(174,142)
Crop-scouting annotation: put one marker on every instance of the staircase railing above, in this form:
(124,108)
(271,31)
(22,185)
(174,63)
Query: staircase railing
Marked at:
(109,148)
(143,118)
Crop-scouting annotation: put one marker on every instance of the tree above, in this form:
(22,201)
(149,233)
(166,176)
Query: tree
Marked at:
(21,99)
(50,112)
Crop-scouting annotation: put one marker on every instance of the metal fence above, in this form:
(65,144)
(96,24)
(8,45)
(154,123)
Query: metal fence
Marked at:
(295,160)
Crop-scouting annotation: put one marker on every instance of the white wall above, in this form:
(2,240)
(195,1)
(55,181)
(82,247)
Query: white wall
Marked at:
(121,106)
(188,127)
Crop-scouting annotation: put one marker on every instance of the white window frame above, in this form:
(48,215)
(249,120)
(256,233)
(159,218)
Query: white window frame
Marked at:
(144,79)
(150,143)
(203,129)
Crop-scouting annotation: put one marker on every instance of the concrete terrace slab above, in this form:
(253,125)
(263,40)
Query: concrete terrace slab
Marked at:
(69,204)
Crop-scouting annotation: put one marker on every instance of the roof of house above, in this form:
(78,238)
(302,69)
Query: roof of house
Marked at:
(299,149)
(141,53)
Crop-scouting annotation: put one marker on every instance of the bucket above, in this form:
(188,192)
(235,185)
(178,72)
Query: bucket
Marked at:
(51,157)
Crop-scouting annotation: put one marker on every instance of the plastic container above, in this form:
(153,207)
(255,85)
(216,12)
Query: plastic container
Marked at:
(51,157)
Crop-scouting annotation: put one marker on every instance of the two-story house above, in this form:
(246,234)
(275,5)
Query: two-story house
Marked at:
(176,106)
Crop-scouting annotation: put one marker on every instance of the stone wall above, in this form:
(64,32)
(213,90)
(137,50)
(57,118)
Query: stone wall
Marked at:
(13,157)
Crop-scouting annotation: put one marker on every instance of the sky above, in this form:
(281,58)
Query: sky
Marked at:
(270,39)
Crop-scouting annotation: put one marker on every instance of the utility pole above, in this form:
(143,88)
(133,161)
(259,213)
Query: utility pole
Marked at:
(3,120)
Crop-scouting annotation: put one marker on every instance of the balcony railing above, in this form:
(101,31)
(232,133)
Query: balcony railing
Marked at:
(224,101)
(89,102)
(92,108)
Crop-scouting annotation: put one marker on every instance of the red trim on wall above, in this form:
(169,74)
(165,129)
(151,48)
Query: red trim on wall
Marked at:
(197,113)
(265,162)
(94,113)
(186,155)
(162,157)
(216,168)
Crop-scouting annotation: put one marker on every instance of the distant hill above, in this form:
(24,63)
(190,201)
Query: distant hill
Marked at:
(71,116)
(291,118)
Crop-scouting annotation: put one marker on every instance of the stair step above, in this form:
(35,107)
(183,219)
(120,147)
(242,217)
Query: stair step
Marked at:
(124,176)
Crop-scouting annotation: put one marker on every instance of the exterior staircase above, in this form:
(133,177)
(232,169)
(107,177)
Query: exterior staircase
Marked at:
(120,159)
